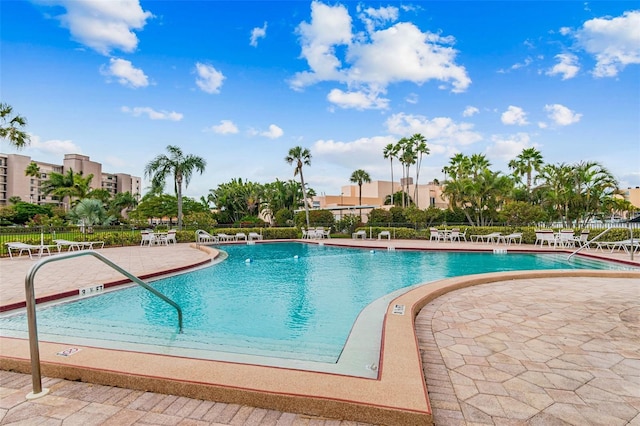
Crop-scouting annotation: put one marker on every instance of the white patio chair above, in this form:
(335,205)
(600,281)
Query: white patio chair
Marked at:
(386,234)
(434,234)
(254,236)
(511,238)
(359,234)
(487,238)
(545,236)
(171,237)
(148,238)
(566,238)
(240,236)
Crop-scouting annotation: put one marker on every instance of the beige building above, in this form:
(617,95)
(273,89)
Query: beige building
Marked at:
(374,195)
(14,182)
(632,195)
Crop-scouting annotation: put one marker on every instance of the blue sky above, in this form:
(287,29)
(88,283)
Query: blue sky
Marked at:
(241,82)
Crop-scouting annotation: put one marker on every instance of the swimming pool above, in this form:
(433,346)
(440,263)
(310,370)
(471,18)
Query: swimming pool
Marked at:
(289,301)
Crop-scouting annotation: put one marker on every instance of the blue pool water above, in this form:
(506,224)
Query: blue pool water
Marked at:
(286,300)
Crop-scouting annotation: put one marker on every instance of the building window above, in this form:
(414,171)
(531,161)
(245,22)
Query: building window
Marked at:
(432,201)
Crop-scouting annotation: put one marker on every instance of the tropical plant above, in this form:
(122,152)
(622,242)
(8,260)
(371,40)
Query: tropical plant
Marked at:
(122,202)
(475,189)
(180,166)
(154,206)
(70,184)
(238,198)
(420,148)
(32,170)
(15,199)
(379,217)
(360,176)
(577,193)
(391,151)
(300,156)
(528,161)
(317,217)
(90,212)
(11,127)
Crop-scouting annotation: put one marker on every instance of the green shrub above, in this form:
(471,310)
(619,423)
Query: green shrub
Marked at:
(316,218)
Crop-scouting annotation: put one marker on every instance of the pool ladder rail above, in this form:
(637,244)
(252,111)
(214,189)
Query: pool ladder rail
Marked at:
(36,376)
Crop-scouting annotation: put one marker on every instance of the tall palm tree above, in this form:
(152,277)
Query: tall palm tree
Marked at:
(177,164)
(420,148)
(528,161)
(300,156)
(11,125)
(391,151)
(360,176)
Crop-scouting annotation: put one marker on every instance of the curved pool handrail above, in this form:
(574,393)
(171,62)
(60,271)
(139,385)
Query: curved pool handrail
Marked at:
(31,308)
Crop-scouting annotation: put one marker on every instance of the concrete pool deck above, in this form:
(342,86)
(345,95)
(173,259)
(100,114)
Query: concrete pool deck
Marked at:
(398,396)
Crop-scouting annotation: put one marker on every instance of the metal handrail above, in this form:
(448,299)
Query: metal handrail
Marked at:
(36,377)
(589,242)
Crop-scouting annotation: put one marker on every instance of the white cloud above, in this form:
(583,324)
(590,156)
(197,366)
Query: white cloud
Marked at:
(566,66)
(360,153)
(54,146)
(374,18)
(412,98)
(126,73)
(561,115)
(514,115)
(565,31)
(257,33)
(373,60)
(152,114)
(209,79)
(615,42)
(274,132)
(470,111)
(225,127)
(440,130)
(508,148)
(103,25)
(357,100)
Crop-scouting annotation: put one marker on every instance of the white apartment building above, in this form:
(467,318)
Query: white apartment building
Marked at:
(14,182)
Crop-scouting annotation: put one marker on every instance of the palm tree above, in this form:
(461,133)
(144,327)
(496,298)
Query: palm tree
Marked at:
(360,177)
(300,156)
(10,127)
(391,151)
(70,184)
(528,161)
(122,202)
(90,212)
(32,170)
(420,148)
(178,165)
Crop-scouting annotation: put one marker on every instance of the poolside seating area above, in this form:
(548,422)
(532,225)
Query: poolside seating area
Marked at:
(361,234)
(151,238)
(515,238)
(316,233)
(78,245)
(30,249)
(254,236)
(203,237)
(491,238)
